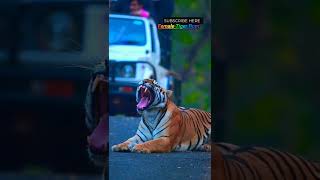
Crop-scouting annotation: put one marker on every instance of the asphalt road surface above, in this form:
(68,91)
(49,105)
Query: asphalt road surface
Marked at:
(156,166)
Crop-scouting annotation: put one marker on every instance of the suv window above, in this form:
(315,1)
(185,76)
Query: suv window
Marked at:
(127,32)
(52,28)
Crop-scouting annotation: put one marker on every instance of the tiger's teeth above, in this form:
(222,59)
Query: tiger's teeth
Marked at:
(145,90)
(95,84)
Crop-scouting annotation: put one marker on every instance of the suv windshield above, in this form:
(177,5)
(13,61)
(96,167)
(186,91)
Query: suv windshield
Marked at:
(50,28)
(126,32)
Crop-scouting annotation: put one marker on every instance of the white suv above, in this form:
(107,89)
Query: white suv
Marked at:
(133,38)
(134,54)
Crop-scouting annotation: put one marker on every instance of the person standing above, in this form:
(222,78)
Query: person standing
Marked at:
(123,6)
(137,9)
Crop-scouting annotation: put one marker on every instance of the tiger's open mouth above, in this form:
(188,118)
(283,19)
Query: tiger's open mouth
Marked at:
(145,97)
(97,140)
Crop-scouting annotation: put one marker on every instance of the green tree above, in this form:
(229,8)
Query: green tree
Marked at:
(191,54)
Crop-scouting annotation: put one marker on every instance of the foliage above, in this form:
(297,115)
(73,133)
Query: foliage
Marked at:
(196,72)
(272,88)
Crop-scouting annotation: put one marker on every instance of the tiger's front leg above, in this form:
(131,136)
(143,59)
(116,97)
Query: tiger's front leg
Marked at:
(160,145)
(127,145)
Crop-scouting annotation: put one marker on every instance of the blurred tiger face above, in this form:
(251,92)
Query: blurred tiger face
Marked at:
(96,119)
(150,95)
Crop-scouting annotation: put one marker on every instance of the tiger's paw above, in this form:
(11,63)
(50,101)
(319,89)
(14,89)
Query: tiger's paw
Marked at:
(131,146)
(120,147)
(140,149)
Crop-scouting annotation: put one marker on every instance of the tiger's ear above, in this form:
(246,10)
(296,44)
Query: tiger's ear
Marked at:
(169,94)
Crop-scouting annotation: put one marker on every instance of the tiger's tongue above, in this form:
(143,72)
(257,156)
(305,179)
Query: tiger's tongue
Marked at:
(143,103)
(98,139)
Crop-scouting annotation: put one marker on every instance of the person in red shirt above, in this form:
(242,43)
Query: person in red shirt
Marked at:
(136,8)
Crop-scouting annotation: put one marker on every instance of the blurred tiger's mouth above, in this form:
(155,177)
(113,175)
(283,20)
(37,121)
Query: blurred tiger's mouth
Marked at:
(145,97)
(97,140)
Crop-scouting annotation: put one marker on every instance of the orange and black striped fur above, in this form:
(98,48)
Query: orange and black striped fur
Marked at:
(231,162)
(164,127)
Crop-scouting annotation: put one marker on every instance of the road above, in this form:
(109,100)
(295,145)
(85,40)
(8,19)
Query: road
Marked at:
(156,166)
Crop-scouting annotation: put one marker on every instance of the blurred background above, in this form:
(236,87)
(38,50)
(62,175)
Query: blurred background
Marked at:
(47,51)
(266,74)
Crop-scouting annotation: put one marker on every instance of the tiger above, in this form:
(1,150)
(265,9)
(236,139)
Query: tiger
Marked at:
(231,162)
(96,117)
(164,127)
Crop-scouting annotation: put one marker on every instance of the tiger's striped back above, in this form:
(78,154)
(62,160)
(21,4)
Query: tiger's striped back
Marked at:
(197,124)
(262,163)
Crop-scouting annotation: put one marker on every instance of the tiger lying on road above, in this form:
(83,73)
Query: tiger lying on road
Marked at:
(164,127)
